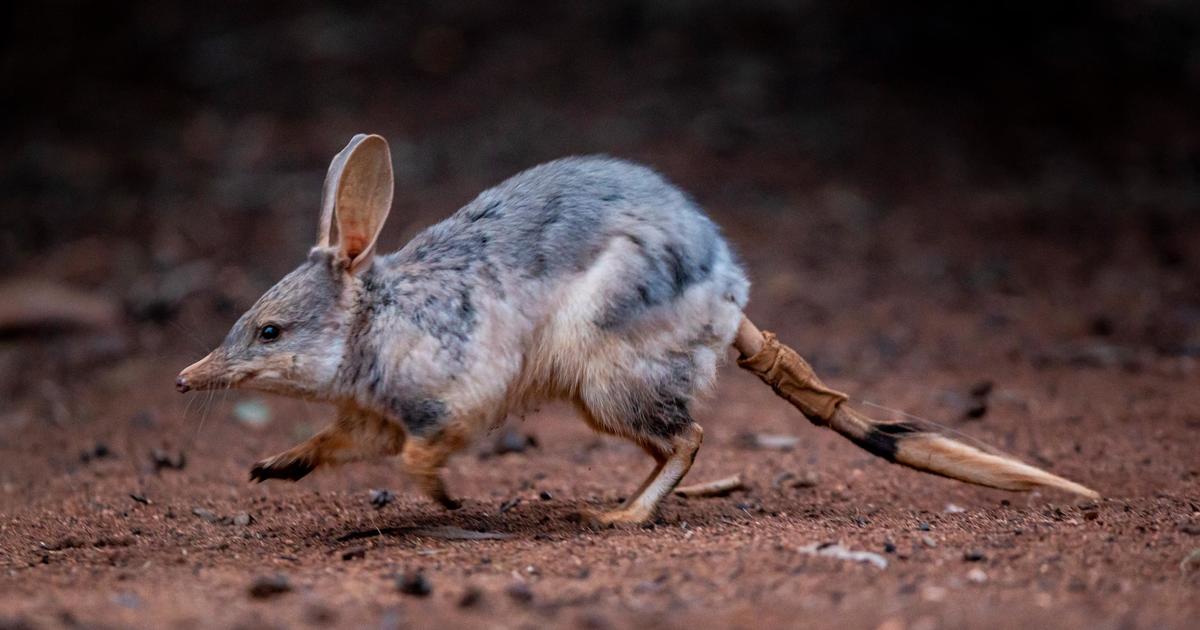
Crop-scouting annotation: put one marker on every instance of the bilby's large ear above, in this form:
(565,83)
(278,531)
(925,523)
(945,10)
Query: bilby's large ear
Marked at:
(357,199)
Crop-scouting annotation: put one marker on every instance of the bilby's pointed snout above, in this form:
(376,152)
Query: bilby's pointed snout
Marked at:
(194,376)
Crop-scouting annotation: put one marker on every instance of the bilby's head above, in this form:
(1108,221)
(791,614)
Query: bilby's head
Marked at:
(293,339)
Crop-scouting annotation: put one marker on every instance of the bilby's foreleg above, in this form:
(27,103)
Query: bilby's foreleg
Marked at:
(355,435)
(424,458)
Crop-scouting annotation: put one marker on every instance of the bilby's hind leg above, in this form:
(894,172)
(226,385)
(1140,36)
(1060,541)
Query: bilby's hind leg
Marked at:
(660,460)
(424,458)
(356,435)
(674,456)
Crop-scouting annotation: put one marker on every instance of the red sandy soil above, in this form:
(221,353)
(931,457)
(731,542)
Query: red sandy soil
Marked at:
(1065,336)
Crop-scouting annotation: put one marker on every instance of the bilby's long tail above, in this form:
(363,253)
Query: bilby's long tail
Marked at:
(901,442)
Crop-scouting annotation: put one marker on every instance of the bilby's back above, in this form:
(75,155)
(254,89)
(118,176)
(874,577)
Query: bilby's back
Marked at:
(546,225)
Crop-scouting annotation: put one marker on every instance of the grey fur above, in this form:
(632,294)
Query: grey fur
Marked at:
(421,416)
(450,327)
(538,229)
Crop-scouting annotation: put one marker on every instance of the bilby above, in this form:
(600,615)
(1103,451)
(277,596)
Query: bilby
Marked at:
(587,279)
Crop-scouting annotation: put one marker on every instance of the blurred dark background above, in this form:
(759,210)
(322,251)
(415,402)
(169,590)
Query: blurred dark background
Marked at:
(169,156)
(983,213)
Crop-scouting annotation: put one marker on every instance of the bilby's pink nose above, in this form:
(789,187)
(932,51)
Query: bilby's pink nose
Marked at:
(182,384)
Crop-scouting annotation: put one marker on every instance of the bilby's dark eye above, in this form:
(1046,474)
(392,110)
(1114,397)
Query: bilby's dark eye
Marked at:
(270,332)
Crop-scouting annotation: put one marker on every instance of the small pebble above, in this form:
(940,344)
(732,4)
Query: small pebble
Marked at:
(1191,563)
(510,504)
(520,592)
(205,515)
(144,420)
(933,593)
(242,519)
(163,460)
(977,576)
(470,597)
(99,451)
(512,441)
(414,583)
(269,586)
(545,495)
(380,498)
(593,621)
(974,555)
(781,479)
(320,615)
(766,441)
(252,412)
(888,547)
(809,479)
(982,389)
(976,411)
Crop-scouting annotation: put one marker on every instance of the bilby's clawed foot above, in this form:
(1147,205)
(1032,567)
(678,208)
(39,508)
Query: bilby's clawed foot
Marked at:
(282,466)
(624,517)
(435,489)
